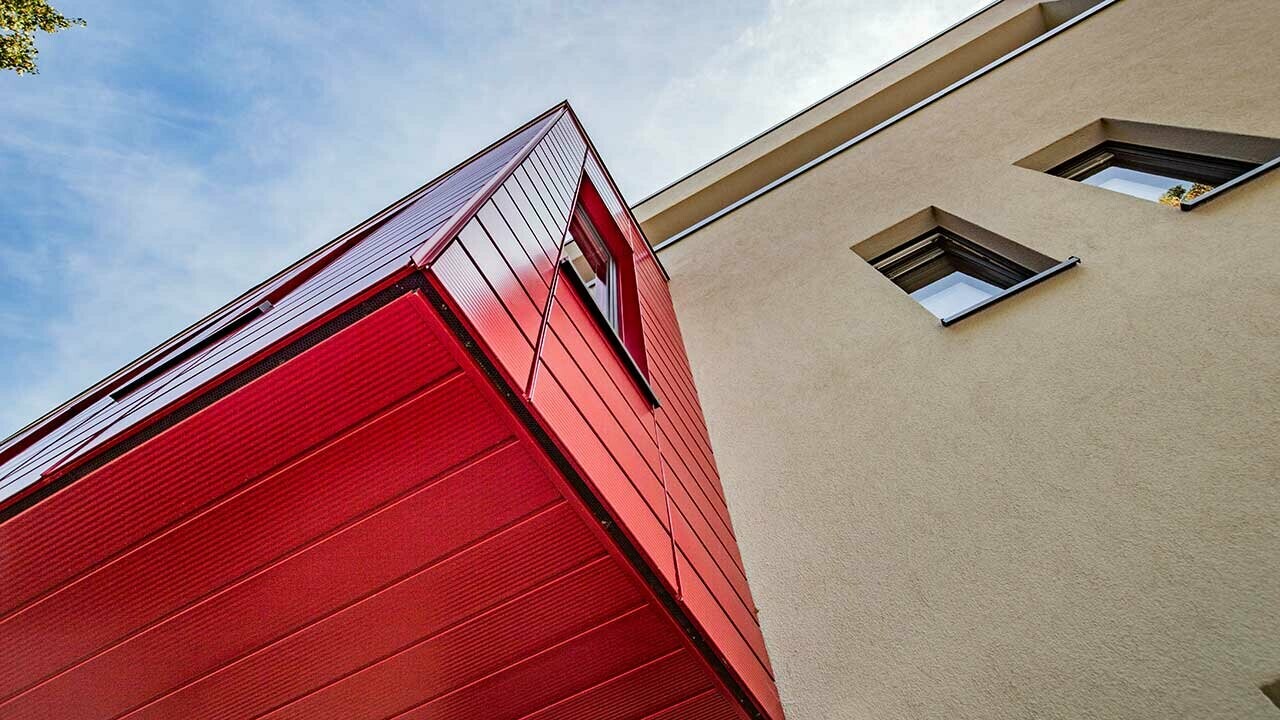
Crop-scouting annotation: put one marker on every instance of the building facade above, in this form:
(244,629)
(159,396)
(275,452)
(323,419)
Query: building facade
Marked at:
(1064,502)
(449,465)
(984,344)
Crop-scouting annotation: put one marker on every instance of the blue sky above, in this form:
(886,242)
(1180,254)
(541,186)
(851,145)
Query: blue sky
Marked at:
(166,158)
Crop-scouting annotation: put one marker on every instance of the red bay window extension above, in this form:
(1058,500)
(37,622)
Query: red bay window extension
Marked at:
(451,465)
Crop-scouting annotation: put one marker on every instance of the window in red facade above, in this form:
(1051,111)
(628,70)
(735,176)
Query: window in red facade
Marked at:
(599,265)
(595,265)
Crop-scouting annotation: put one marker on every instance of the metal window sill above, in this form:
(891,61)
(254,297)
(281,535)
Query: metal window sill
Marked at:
(1012,290)
(1257,172)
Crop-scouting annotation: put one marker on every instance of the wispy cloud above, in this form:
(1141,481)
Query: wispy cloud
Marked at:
(168,157)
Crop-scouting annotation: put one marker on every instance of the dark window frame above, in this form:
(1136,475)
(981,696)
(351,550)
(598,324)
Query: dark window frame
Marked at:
(1219,173)
(920,262)
(935,254)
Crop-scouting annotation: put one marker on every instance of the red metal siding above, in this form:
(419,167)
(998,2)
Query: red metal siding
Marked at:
(322,283)
(578,387)
(420,560)
(342,381)
(653,470)
(364,527)
(712,584)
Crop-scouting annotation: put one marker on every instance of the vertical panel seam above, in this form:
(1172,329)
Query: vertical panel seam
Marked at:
(551,292)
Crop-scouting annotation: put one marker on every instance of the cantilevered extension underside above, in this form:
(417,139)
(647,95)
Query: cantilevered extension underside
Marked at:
(413,476)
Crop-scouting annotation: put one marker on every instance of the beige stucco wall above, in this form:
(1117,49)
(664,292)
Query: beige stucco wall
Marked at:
(1066,506)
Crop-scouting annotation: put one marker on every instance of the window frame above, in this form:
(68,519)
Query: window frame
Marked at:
(582,229)
(1219,173)
(626,336)
(909,265)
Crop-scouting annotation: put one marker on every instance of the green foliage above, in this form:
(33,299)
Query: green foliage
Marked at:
(19,21)
(1178,194)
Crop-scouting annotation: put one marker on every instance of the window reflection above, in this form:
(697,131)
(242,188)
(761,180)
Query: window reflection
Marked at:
(590,257)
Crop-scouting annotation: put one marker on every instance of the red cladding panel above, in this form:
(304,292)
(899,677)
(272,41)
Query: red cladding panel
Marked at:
(707,613)
(428,670)
(331,573)
(341,381)
(492,572)
(709,705)
(575,664)
(604,407)
(713,587)
(637,518)
(650,468)
(236,535)
(367,531)
(639,692)
(484,311)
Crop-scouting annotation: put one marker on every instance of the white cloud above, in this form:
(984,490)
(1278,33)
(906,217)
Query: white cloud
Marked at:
(165,201)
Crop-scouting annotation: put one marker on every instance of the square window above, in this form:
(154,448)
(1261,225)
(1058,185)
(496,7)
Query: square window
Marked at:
(948,274)
(1168,177)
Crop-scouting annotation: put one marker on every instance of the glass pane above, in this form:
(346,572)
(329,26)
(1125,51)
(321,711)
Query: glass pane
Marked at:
(949,295)
(573,254)
(594,264)
(1145,185)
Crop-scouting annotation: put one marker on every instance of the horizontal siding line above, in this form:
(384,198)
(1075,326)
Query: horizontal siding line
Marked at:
(238,490)
(667,373)
(301,266)
(729,544)
(744,602)
(691,510)
(531,517)
(552,196)
(180,377)
(642,667)
(498,224)
(553,280)
(561,151)
(625,211)
(686,701)
(585,566)
(607,406)
(721,509)
(697,466)
(431,249)
(604,368)
(577,636)
(550,168)
(764,665)
(480,457)
(609,450)
(546,236)
(564,346)
(497,206)
(681,399)
(536,203)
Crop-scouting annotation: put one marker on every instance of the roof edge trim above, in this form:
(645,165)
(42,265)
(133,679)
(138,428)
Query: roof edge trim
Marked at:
(23,437)
(885,124)
(434,245)
(816,103)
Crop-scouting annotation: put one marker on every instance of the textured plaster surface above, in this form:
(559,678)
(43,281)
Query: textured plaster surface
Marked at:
(1066,506)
